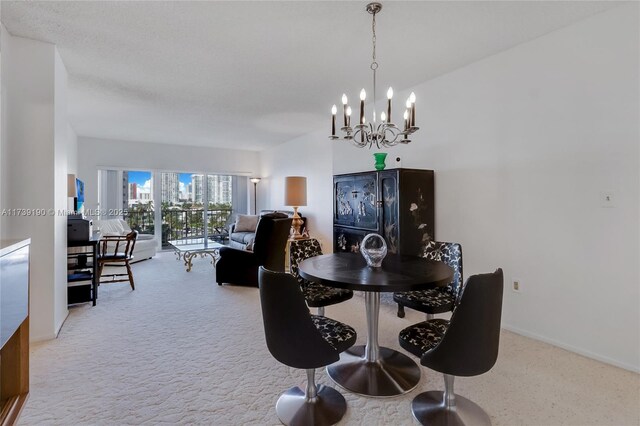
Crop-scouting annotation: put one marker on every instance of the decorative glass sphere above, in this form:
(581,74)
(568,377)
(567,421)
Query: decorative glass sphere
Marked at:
(373,249)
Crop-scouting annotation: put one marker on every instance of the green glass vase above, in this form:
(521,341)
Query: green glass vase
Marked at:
(380,157)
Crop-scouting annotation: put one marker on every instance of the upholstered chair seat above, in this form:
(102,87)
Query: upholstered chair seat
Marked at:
(337,334)
(421,337)
(316,295)
(438,300)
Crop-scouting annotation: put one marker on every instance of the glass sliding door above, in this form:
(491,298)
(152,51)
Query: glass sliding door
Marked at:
(195,207)
(219,202)
(137,200)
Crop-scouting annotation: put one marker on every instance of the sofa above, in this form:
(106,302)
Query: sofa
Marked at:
(243,239)
(146,245)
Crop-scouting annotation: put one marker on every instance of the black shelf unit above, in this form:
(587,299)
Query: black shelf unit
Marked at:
(82,272)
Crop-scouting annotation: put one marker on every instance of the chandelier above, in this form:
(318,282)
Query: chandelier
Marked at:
(385,133)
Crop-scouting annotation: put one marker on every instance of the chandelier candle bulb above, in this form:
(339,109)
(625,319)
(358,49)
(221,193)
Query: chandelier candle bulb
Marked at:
(389,96)
(334,111)
(363,96)
(344,105)
(383,116)
(412,98)
(348,116)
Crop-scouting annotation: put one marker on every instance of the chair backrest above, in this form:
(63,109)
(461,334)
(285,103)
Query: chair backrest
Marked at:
(451,254)
(300,250)
(291,336)
(271,241)
(470,344)
(114,245)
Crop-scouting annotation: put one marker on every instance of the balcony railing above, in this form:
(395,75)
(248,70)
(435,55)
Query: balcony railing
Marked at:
(180,225)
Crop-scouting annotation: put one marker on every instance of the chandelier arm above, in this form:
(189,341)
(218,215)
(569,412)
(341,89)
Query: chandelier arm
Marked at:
(394,132)
(356,140)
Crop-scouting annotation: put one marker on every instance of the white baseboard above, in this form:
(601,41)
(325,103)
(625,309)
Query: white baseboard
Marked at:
(580,351)
(49,336)
(41,338)
(59,326)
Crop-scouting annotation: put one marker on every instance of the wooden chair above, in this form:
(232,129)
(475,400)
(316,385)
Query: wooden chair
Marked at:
(117,251)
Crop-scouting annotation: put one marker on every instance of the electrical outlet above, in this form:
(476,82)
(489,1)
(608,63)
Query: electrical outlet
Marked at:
(517,286)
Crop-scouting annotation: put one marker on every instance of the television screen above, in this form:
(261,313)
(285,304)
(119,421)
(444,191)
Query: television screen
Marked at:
(79,194)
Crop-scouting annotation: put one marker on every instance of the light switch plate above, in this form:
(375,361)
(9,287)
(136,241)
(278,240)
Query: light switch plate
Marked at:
(607,199)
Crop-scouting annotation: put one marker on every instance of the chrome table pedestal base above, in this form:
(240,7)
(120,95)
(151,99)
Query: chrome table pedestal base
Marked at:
(295,408)
(373,370)
(392,374)
(429,409)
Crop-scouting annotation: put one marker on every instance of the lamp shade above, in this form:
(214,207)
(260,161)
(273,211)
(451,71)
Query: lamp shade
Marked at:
(295,191)
(71,185)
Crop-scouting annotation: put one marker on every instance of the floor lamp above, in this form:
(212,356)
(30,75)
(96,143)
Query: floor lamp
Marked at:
(255,181)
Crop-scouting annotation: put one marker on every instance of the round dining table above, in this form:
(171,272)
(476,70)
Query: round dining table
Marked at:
(373,370)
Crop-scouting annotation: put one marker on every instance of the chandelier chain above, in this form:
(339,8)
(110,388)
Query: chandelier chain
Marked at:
(373,40)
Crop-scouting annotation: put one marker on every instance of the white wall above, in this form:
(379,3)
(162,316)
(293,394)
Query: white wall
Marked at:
(72,150)
(309,156)
(95,154)
(34,171)
(62,147)
(5,52)
(523,144)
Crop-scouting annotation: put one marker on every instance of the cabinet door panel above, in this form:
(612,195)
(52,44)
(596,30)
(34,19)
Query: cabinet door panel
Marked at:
(347,240)
(416,210)
(343,211)
(389,210)
(365,197)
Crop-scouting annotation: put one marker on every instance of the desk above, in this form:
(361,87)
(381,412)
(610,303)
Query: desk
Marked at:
(373,370)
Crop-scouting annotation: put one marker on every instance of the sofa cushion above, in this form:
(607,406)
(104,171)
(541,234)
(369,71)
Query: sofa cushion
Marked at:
(243,237)
(246,223)
(110,227)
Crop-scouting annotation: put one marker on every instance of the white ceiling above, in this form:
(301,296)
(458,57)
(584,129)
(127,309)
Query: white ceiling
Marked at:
(254,74)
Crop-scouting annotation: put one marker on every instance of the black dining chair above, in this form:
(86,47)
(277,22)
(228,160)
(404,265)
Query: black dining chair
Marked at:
(436,300)
(316,295)
(465,346)
(301,340)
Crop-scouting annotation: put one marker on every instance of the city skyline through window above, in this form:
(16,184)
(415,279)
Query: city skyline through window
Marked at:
(177,189)
(190,206)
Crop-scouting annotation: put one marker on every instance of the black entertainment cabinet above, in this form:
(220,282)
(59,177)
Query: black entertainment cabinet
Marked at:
(398,204)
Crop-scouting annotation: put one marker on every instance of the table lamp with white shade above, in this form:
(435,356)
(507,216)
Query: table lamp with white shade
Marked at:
(295,195)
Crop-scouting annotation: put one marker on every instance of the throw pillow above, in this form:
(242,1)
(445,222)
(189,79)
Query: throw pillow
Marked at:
(246,223)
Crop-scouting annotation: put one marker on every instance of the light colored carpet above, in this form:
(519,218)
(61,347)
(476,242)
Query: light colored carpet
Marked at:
(182,350)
